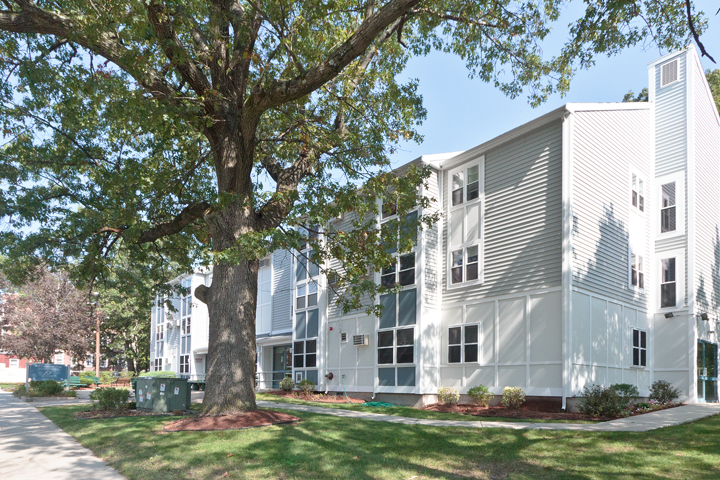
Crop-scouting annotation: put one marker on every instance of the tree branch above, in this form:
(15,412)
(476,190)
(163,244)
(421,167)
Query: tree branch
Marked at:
(691,25)
(188,215)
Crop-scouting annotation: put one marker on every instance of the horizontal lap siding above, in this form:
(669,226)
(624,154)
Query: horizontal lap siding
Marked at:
(431,237)
(605,144)
(523,217)
(670,122)
(707,198)
(281,290)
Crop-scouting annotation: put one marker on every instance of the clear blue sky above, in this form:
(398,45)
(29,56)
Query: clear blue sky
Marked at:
(462,113)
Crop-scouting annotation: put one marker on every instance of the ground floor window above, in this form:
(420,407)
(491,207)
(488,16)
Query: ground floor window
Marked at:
(396,376)
(463,344)
(305,353)
(639,348)
(157,365)
(184,363)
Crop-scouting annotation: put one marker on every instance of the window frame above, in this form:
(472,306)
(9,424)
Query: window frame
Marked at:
(462,344)
(16,361)
(466,244)
(640,349)
(635,204)
(679,179)
(680,293)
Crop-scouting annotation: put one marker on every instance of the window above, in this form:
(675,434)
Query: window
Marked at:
(396,346)
(465,224)
(157,365)
(89,360)
(185,364)
(639,348)
(185,329)
(343,337)
(638,192)
(669,73)
(463,344)
(402,272)
(637,271)
(668,290)
(58,359)
(396,339)
(14,363)
(667,209)
(185,324)
(305,345)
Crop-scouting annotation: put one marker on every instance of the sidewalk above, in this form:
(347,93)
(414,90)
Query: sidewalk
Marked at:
(34,448)
(640,423)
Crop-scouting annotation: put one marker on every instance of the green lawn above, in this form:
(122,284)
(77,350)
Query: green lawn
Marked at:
(406,411)
(326,447)
(8,386)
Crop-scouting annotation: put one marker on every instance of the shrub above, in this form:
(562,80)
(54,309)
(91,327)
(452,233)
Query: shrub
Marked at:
(513,397)
(627,392)
(480,395)
(107,377)
(126,374)
(599,401)
(287,384)
(448,395)
(85,381)
(132,405)
(46,388)
(86,373)
(19,390)
(160,373)
(663,392)
(307,386)
(110,399)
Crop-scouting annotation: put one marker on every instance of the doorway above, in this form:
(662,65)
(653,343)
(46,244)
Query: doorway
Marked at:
(707,365)
(282,364)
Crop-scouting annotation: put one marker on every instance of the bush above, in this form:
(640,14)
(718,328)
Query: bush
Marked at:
(599,401)
(126,374)
(662,391)
(107,377)
(19,390)
(448,395)
(480,395)
(85,381)
(513,397)
(627,392)
(110,399)
(46,388)
(287,384)
(159,373)
(307,386)
(86,373)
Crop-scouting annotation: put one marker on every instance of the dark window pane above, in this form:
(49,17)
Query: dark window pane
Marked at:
(643,339)
(454,336)
(408,230)
(312,323)
(641,282)
(473,191)
(300,302)
(388,235)
(636,338)
(385,355)
(406,376)
(313,269)
(299,361)
(310,360)
(457,275)
(667,219)
(301,269)
(407,277)
(636,356)
(310,346)
(472,271)
(633,275)
(457,197)
(643,356)
(389,269)
(312,300)
(408,307)
(471,334)
(642,204)
(407,261)
(300,325)
(298,348)
(387,280)
(388,210)
(454,354)
(387,318)
(405,336)
(386,377)
(668,270)
(405,355)
(385,339)
(667,295)
(634,198)
(668,195)
(471,353)
(312,375)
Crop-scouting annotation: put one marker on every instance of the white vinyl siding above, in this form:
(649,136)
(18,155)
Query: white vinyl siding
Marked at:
(671,122)
(282,286)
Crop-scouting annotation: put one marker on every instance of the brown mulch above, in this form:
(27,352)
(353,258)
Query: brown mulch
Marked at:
(258,418)
(127,413)
(537,410)
(316,397)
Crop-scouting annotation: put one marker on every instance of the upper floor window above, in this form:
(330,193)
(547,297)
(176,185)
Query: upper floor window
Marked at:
(465,224)
(668,208)
(668,285)
(638,192)
(465,185)
(186,301)
(637,271)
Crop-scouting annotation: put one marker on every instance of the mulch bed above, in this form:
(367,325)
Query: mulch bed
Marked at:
(532,410)
(258,418)
(87,414)
(316,397)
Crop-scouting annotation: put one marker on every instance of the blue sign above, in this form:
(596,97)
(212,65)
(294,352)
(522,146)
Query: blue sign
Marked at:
(47,371)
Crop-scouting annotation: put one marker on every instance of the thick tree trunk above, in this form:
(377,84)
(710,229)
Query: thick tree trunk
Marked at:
(231,301)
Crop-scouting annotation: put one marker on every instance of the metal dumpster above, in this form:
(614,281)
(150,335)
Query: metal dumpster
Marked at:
(162,395)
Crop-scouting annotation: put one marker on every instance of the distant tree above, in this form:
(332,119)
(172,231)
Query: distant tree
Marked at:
(46,315)
(713,78)
(640,97)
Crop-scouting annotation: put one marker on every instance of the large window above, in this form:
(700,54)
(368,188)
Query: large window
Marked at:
(639,351)
(185,324)
(668,285)
(465,224)
(668,208)
(464,344)
(307,314)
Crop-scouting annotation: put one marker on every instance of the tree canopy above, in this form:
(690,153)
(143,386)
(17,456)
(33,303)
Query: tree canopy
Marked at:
(209,131)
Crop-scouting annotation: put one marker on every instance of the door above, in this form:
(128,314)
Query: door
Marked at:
(707,364)
(282,364)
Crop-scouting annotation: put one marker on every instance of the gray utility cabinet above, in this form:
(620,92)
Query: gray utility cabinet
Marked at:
(162,395)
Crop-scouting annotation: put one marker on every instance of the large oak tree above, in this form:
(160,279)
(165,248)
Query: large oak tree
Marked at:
(183,130)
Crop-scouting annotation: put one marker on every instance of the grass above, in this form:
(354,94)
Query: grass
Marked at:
(327,447)
(409,412)
(8,386)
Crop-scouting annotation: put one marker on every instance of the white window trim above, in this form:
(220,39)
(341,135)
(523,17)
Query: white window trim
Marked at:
(395,347)
(677,79)
(462,344)
(646,190)
(647,349)
(480,162)
(644,271)
(679,179)
(14,363)
(679,256)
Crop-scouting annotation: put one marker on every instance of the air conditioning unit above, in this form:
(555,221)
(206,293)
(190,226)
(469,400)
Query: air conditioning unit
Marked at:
(361,340)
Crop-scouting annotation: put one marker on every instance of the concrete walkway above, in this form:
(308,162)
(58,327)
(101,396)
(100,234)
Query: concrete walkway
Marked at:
(640,423)
(34,448)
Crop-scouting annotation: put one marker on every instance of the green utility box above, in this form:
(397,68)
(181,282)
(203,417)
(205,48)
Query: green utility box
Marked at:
(162,395)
